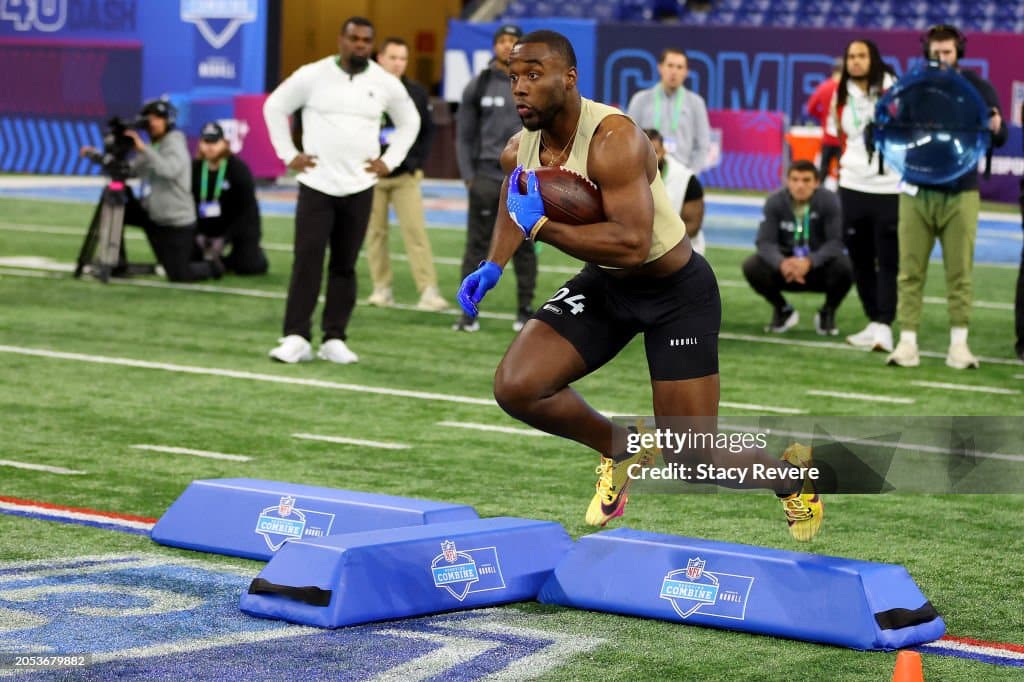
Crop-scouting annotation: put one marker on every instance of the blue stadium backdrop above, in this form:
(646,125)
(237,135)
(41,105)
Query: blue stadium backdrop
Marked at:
(69,65)
(766,69)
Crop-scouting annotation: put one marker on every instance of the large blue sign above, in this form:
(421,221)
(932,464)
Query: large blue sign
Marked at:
(71,64)
(741,67)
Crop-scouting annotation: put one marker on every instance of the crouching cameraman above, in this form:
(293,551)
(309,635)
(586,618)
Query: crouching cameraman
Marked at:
(165,211)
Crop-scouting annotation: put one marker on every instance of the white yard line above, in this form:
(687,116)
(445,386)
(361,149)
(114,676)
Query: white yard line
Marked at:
(273,378)
(869,397)
(755,407)
(352,441)
(194,453)
(41,467)
(257,293)
(859,440)
(494,429)
(778,341)
(966,387)
(250,376)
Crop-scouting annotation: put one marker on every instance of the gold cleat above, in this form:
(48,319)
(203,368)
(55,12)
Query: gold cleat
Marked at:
(804,509)
(613,482)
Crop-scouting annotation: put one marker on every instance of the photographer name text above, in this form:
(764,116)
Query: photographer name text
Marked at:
(711,473)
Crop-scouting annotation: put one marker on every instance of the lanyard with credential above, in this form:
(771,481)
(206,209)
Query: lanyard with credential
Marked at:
(803,227)
(204,181)
(677,109)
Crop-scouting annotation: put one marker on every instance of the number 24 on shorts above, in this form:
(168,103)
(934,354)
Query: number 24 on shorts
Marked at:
(575,302)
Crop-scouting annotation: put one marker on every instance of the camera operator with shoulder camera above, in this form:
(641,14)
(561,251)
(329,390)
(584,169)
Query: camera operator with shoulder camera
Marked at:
(165,211)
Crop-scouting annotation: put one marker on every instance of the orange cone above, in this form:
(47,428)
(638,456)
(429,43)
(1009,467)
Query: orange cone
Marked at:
(908,667)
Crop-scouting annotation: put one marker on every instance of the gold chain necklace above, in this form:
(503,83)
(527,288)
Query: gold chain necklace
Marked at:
(567,144)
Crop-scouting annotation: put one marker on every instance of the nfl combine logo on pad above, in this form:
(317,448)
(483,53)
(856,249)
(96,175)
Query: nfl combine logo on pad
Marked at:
(466,572)
(713,594)
(283,522)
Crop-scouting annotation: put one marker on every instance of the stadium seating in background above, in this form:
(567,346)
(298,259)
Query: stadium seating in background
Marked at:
(971,15)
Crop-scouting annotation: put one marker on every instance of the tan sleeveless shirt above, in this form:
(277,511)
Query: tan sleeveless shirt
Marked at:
(668,226)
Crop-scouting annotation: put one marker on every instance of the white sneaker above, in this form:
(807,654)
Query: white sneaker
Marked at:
(381,297)
(335,350)
(865,338)
(293,348)
(883,338)
(961,357)
(431,299)
(905,355)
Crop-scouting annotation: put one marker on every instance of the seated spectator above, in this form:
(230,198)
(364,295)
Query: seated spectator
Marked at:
(685,192)
(800,248)
(225,198)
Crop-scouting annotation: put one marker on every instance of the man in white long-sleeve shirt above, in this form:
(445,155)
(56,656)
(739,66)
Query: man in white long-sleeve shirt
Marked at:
(342,98)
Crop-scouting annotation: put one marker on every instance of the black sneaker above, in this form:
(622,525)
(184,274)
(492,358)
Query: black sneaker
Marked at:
(522,316)
(465,323)
(825,322)
(783,319)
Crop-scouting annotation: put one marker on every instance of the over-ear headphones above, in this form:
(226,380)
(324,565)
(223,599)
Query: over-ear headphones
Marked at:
(161,107)
(943,32)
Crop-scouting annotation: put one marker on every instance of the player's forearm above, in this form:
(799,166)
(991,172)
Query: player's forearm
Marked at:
(505,240)
(607,243)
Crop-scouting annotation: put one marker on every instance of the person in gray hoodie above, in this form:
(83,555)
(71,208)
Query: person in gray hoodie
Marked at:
(485,121)
(165,209)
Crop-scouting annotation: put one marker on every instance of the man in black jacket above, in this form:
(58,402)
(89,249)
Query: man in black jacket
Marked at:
(402,190)
(800,248)
(225,196)
(485,121)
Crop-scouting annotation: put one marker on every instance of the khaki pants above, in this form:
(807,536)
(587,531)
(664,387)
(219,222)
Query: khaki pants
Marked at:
(403,192)
(953,219)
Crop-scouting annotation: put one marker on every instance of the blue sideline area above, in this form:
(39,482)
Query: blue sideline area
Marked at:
(154,618)
(729,222)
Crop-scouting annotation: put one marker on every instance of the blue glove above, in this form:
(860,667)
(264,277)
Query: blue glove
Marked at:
(476,285)
(526,209)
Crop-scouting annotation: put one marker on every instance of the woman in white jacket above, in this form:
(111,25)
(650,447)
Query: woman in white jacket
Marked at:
(869,198)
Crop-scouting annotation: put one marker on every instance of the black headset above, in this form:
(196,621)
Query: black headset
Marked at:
(944,32)
(161,107)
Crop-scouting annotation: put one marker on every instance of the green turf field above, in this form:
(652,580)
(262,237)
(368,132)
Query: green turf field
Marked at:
(81,414)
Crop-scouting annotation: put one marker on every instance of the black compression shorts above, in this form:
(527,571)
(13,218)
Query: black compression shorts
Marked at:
(679,316)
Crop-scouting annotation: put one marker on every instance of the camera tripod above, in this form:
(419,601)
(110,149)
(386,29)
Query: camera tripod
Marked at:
(103,248)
